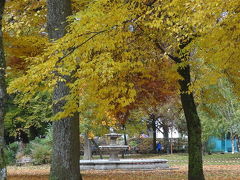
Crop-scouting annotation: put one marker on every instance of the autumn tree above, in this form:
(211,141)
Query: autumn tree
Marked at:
(108,58)
(115,47)
(3,98)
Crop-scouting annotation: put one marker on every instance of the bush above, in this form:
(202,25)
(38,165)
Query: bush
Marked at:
(27,150)
(41,153)
(10,153)
(141,145)
(145,146)
(133,144)
(41,149)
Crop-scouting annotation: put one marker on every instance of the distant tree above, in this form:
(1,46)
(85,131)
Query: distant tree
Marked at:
(221,115)
(30,119)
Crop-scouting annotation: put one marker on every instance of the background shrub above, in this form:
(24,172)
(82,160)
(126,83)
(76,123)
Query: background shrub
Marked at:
(145,146)
(10,153)
(41,153)
(41,149)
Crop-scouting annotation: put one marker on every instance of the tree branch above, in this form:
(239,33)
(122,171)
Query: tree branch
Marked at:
(174,58)
(78,46)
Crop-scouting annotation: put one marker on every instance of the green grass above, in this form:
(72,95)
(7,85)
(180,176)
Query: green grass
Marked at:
(182,158)
(214,159)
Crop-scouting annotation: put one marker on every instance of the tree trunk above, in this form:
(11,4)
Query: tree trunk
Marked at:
(154,134)
(195,165)
(66,147)
(165,136)
(232,142)
(125,137)
(3,98)
(87,148)
(238,143)
(125,140)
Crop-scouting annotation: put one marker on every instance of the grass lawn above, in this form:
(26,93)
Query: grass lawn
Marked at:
(182,158)
(216,166)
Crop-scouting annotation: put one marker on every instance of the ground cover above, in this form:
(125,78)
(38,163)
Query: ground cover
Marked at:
(216,166)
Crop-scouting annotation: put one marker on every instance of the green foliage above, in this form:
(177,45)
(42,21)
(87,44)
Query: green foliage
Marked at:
(27,149)
(136,123)
(221,115)
(41,153)
(10,153)
(133,144)
(31,118)
(41,149)
(90,123)
(36,113)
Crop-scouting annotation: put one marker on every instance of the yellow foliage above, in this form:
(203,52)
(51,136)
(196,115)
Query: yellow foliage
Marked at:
(112,49)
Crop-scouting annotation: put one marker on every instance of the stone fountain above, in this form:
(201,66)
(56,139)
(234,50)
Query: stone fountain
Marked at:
(115,163)
(113,149)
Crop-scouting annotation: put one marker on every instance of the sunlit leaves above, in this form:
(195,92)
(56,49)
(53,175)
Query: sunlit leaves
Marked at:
(111,52)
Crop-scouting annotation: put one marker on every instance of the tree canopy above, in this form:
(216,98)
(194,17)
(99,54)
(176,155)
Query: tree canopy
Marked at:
(121,54)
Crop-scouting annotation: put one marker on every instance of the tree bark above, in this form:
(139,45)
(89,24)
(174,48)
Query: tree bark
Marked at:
(165,135)
(3,98)
(195,165)
(66,147)
(125,140)
(124,135)
(154,133)
(87,148)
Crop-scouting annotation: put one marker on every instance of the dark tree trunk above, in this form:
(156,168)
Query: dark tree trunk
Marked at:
(66,147)
(154,128)
(195,165)
(3,98)
(165,136)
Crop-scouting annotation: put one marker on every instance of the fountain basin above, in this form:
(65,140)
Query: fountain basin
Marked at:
(114,147)
(127,164)
(113,150)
